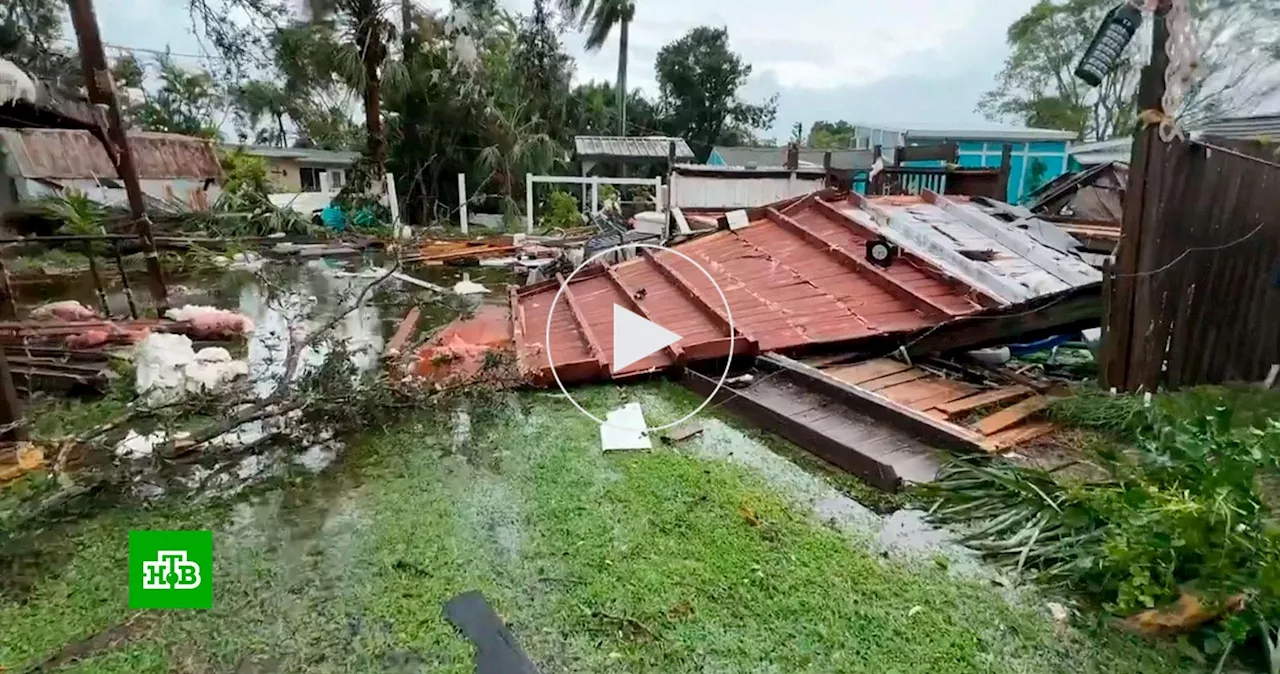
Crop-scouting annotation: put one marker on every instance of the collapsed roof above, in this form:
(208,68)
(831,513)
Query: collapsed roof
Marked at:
(798,275)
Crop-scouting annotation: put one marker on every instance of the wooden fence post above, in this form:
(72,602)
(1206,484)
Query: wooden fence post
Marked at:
(1125,317)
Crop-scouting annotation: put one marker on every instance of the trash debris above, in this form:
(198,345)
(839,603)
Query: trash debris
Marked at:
(168,367)
(461,348)
(28,458)
(405,278)
(67,310)
(624,428)
(1182,617)
(682,432)
(468,287)
(740,381)
(497,651)
(138,446)
(211,322)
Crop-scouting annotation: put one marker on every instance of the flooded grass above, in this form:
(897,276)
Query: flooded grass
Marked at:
(657,561)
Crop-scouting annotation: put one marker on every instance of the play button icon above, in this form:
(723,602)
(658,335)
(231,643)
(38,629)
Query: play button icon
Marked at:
(635,337)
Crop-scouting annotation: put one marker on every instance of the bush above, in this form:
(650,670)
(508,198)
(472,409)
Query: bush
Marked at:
(1184,510)
(562,212)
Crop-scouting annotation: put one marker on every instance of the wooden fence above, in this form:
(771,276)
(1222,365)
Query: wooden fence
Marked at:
(1194,297)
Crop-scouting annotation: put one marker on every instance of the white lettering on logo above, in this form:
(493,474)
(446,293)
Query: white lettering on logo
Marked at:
(171,571)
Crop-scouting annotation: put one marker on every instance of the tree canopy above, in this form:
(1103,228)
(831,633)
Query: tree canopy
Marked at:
(1037,86)
(698,82)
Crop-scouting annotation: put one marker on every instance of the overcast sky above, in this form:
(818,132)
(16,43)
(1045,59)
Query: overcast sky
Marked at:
(893,62)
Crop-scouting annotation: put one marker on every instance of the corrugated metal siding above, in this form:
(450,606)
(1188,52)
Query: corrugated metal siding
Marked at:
(65,154)
(640,146)
(1267,126)
(731,193)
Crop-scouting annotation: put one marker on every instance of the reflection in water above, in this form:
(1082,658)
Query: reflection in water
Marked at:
(295,312)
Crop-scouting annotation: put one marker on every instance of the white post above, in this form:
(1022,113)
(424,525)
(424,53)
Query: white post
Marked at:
(393,202)
(326,186)
(528,203)
(462,202)
(595,195)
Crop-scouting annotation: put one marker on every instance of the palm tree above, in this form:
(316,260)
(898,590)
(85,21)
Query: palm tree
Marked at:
(602,16)
(361,63)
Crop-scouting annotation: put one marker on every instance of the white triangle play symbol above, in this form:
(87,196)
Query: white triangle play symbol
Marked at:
(635,337)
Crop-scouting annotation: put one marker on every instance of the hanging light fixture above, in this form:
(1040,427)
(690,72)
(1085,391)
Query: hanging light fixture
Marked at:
(1108,43)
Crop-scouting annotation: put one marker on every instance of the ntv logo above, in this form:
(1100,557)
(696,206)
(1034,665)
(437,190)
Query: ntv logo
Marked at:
(171,571)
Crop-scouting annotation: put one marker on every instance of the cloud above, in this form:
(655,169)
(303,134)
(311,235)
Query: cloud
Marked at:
(896,62)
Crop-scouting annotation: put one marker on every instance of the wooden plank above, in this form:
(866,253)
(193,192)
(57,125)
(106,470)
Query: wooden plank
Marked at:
(1066,311)
(984,399)
(403,332)
(584,328)
(1016,436)
(954,391)
(893,380)
(866,371)
(938,433)
(1011,415)
(871,272)
(908,393)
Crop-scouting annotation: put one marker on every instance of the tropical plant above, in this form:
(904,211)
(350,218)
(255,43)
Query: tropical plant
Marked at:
(600,17)
(1183,511)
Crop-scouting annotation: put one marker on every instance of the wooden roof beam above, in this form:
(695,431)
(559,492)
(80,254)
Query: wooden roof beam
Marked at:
(588,335)
(680,282)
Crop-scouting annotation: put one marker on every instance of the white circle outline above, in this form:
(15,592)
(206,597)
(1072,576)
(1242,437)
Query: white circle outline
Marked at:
(728,312)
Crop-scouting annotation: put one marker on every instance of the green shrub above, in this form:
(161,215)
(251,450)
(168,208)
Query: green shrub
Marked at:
(1185,509)
(561,212)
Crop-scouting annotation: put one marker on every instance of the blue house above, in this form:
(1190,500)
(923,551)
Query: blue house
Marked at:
(1039,155)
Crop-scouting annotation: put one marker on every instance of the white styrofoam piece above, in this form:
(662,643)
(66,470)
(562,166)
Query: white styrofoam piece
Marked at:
(737,219)
(682,225)
(624,428)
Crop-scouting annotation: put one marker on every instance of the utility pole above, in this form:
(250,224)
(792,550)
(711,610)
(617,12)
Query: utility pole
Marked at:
(102,92)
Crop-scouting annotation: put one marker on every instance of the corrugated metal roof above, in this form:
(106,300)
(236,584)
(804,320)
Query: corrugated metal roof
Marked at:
(632,147)
(64,154)
(302,154)
(996,132)
(1261,126)
(776,157)
(793,278)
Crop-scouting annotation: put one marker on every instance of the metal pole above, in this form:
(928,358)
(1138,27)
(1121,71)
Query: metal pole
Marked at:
(528,203)
(462,203)
(102,92)
(97,279)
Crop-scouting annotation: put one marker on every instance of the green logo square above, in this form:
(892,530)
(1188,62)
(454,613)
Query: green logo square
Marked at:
(171,569)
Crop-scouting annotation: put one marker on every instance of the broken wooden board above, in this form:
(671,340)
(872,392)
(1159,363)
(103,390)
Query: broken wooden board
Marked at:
(1018,435)
(864,372)
(985,399)
(1011,415)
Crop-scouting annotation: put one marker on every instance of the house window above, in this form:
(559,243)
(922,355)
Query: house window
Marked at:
(310,179)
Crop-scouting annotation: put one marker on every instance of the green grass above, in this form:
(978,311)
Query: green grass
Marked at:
(627,562)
